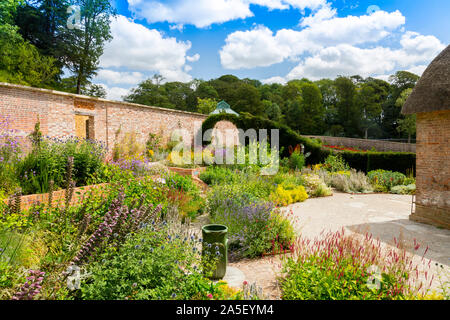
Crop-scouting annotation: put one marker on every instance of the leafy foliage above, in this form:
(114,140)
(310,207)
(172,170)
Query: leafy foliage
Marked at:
(48,162)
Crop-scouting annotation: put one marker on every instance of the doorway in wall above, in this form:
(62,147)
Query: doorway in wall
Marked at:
(84,126)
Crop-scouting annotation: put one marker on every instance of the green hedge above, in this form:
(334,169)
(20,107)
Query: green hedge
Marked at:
(363,161)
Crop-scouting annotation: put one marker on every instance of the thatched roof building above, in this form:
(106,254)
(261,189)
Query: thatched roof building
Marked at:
(432,92)
(430,100)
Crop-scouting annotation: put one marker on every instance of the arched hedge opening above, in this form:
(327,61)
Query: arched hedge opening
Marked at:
(362,161)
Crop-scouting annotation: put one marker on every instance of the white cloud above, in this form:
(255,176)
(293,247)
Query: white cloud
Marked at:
(178,27)
(379,61)
(324,13)
(194,58)
(200,13)
(419,48)
(322,29)
(272,80)
(286,4)
(254,48)
(344,60)
(137,48)
(328,46)
(418,69)
(203,13)
(115,93)
(115,77)
(303,4)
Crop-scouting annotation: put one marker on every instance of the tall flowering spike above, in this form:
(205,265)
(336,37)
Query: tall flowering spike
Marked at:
(31,287)
(51,186)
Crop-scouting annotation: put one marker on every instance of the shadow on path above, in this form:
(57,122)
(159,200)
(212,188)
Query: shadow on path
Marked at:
(405,231)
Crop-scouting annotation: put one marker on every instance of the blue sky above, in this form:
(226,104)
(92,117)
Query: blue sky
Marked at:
(270,40)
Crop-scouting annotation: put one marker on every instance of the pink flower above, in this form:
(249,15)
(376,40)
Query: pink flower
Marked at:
(210,296)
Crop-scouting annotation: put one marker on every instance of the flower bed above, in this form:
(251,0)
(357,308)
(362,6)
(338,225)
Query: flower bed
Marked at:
(130,226)
(343,267)
(342,148)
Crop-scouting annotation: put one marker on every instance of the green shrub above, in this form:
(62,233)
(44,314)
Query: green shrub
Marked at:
(296,161)
(409,189)
(315,186)
(218,175)
(49,162)
(254,228)
(347,181)
(9,156)
(287,178)
(334,163)
(409,180)
(385,180)
(184,183)
(368,161)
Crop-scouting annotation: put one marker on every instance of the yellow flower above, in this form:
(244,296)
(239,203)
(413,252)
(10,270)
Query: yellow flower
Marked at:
(284,197)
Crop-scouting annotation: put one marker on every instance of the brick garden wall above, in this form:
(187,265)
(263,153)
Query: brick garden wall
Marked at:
(367,144)
(433,168)
(58,197)
(57,110)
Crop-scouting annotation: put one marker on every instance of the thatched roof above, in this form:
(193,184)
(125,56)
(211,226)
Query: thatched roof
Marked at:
(432,92)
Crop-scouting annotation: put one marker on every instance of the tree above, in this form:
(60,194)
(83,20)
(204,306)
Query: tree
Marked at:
(20,61)
(272,110)
(370,96)
(151,93)
(178,93)
(69,84)
(272,93)
(94,90)
(400,81)
(348,112)
(294,113)
(408,123)
(246,99)
(329,101)
(292,90)
(240,95)
(7,11)
(84,45)
(205,90)
(41,22)
(312,111)
(207,105)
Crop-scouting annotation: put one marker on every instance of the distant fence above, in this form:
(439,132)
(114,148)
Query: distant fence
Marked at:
(367,144)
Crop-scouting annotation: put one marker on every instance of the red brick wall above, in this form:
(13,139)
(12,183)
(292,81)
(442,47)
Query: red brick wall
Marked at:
(368,144)
(56,111)
(58,197)
(433,168)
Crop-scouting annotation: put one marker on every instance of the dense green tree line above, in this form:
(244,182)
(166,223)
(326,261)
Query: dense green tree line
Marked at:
(39,45)
(347,106)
